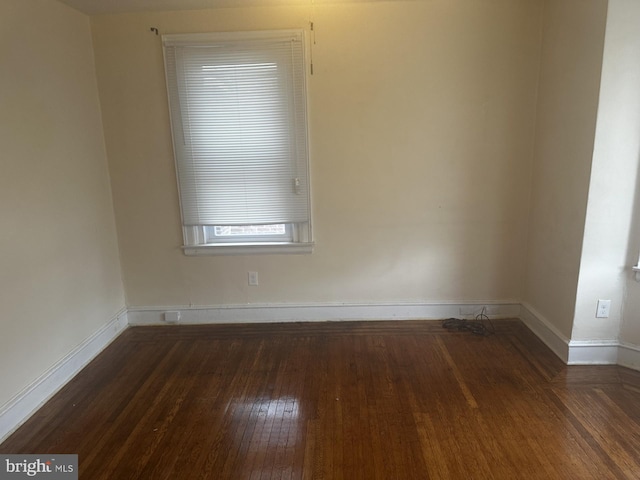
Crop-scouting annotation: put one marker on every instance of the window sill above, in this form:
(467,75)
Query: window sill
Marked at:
(248,249)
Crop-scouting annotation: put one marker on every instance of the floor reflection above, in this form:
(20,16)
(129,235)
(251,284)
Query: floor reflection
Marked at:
(286,407)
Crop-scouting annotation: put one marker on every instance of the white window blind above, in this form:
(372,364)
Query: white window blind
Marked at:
(238,115)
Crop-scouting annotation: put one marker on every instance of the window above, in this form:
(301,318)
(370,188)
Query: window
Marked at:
(239,123)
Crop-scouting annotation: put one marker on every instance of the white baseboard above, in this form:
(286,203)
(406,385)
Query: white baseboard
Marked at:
(629,355)
(545,331)
(316,312)
(17,410)
(580,352)
(593,352)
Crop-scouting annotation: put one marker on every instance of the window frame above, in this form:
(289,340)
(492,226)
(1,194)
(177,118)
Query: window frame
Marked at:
(299,235)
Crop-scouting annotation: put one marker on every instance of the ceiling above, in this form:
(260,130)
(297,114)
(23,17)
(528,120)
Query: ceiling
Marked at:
(93,7)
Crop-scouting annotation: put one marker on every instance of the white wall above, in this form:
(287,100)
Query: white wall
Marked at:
(421,127)
(573,34)
(614,232)
(604,266)
(60,278)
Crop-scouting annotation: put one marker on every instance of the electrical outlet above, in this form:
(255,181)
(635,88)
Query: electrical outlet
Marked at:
(253,279)
(492,310)
(469,310)
(172,317)
(474,310)
(603,309)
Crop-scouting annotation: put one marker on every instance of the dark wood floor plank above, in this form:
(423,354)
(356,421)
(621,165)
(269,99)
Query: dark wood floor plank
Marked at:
(341,400)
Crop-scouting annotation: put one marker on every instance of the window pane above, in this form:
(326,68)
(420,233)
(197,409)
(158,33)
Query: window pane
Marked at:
(247,230)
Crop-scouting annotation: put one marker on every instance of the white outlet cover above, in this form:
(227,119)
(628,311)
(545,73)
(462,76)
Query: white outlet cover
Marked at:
(172,317)
(603,309)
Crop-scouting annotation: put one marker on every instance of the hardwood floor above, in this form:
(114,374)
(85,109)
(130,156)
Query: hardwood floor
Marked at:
(345,400)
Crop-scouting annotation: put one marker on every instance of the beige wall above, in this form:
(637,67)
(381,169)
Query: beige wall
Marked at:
(573,34)
(59,276)
(421,127)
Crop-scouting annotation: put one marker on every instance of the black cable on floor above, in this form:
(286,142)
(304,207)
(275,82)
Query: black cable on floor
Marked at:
(480,325)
